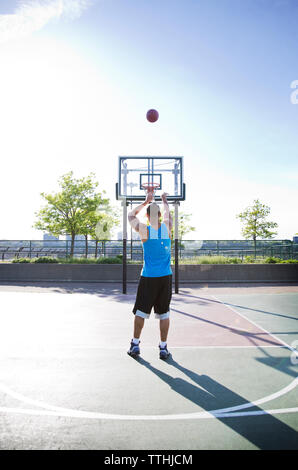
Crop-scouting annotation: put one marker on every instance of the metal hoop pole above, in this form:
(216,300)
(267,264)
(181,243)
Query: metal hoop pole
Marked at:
(176,249)
(124,250)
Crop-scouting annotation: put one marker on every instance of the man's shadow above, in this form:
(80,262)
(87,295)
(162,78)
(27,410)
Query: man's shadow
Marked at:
(264,431)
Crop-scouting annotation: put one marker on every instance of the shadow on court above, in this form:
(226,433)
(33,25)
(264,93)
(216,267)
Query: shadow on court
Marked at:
(277,363)
(267,432)
(113,291)
(251,336)
(243,307)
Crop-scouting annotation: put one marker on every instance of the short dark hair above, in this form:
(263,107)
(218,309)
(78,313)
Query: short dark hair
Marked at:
(153,204)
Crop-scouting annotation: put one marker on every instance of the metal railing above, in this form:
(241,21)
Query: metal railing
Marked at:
(284,249)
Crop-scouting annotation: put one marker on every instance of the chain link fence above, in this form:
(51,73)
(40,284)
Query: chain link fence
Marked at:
(284,249)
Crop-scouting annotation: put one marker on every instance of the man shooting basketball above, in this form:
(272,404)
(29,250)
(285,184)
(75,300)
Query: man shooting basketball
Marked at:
(155,285)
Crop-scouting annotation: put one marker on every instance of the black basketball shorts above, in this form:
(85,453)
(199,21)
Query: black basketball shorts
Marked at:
(154,292)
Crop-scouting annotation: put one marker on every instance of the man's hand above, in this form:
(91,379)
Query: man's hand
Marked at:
(149,198)
(164,198)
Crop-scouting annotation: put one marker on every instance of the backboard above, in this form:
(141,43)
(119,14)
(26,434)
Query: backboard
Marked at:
(166,173)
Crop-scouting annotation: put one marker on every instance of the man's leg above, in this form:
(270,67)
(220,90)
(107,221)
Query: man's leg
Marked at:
(142,309)
(137,330)
(164,329)
(162,309)
(134,345)
(138,326)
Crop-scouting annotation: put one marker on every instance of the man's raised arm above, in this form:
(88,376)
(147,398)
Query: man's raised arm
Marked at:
(167,217)
(132,215)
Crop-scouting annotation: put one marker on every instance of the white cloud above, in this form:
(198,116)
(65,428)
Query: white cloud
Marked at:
(33,15)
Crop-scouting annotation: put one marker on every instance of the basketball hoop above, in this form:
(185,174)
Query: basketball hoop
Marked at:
(150,174)
(150,188)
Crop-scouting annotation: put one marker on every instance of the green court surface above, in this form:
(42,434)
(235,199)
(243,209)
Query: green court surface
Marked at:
(68,383)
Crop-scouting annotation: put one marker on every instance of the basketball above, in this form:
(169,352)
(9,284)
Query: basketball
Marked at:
(152,115)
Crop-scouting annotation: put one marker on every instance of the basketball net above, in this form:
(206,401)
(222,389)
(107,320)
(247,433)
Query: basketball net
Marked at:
(150,188)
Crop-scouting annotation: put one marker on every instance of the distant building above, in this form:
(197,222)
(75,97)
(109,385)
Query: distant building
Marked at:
(135,235)
(77,237)
(79,240)
(49,236)
(295,238)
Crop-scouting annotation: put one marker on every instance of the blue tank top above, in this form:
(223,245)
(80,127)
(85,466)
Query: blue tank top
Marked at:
(157,253)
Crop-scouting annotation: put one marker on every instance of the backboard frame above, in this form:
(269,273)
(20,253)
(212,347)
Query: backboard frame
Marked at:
(180,196)
(152,179)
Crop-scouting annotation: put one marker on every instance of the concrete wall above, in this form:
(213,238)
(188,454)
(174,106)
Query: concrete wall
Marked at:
(239,273)
(113,272)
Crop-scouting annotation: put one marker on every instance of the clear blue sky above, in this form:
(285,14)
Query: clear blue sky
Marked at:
(80,75)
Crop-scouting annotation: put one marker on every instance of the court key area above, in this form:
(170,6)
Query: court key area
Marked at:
(67,381)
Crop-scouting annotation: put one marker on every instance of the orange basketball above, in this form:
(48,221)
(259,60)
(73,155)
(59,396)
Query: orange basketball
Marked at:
(152,115)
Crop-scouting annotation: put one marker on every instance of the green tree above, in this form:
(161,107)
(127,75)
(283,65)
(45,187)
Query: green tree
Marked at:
(255,223)
(102,222)
(184,226)
(66,211)
(88,223)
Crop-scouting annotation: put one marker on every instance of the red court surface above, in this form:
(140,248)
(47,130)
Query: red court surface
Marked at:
(205,321)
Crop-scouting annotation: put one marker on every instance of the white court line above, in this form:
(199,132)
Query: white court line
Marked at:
(255,324)
(14,353)
(68,412)
(93,415)
(223,347)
